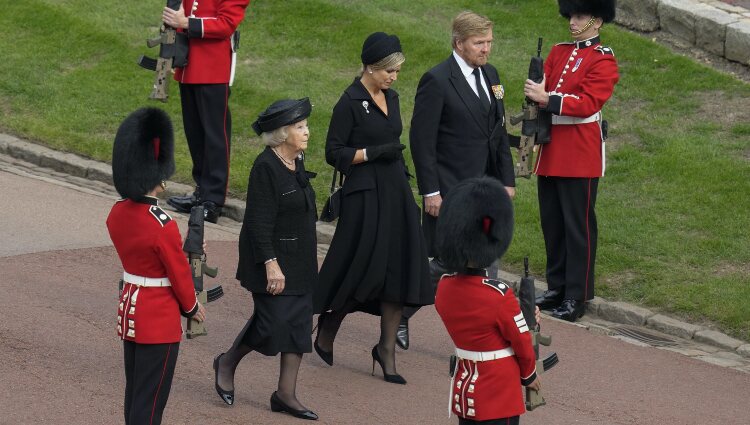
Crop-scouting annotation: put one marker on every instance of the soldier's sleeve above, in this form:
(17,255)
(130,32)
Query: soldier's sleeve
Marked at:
(514,328)
(169,248)
(229,15)
(425,125)
(595,89)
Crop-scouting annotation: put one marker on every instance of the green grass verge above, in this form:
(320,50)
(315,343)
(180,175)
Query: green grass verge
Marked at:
(672,208)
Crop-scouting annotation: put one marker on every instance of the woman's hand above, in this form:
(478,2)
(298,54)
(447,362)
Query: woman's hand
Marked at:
(275,278)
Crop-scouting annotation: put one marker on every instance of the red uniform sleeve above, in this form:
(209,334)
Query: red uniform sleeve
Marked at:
(229,15)
(595,89)
(169,249)
(513,327)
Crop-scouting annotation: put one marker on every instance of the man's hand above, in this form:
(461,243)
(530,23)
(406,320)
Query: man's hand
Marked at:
(511,191)
(537,314)
(275,278)
(175,18)
(536,92)
(536,385)
(200,315)
(432,204)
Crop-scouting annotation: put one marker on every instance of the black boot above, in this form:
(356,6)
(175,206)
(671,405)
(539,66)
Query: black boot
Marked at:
(570,310)
(211,211)
(550,299)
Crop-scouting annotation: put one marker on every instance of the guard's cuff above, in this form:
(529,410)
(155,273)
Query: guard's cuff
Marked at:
(195,27)
(555,103)
(193,311)
(527,381)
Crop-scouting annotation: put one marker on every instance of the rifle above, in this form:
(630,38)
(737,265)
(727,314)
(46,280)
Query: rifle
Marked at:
(527,297)
(536,124)
(173,50)
(194,247)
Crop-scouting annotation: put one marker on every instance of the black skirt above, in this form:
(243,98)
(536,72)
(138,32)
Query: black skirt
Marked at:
(280,324)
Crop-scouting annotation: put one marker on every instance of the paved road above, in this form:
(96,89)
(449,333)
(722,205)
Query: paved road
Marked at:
(62,363)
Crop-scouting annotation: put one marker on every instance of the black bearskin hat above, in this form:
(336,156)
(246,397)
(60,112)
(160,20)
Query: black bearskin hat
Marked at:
(143,154)
(475,224)
(604,9)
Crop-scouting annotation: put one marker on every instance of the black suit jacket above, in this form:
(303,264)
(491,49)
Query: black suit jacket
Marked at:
(452,137)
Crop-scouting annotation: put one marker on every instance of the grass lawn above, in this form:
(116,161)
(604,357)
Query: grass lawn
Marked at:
(673,207)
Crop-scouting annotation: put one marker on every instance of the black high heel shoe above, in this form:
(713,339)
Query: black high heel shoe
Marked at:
(227,396)
(326,356)
(394,379)
(278,405)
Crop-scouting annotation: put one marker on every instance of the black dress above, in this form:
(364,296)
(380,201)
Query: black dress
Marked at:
(279,223)
(378,251)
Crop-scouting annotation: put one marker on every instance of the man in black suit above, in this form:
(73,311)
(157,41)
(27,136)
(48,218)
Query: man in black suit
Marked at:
(458,128)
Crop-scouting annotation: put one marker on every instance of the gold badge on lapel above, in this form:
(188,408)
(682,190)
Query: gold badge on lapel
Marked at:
(499,91)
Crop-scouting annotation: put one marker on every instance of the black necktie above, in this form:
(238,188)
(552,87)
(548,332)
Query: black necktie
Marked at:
(483,99)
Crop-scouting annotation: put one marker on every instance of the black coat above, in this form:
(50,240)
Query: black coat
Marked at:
(452,138)
(279,223)
(378,251)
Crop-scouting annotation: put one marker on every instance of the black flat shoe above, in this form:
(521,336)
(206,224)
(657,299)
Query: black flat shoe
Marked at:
(570,310)
(550,299)
(393,379)
(326,356)
(227,396)
(402,334)
(278,405)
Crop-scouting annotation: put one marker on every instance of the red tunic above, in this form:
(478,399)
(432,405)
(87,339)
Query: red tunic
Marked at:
(580,79)
(482,314)
(149,245)
(210,28)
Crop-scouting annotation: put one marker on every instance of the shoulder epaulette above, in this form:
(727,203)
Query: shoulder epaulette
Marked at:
(605,50)
(160,215)
(497,285)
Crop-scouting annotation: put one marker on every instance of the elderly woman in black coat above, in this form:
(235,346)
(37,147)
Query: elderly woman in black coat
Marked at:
(378,260)
(278,256)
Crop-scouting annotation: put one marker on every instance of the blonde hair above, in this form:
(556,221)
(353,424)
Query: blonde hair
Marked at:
(468,24)
(390,61)
(276,137)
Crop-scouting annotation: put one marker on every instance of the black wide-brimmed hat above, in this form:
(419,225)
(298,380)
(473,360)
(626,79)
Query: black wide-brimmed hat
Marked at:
(281,113)
(604,9)
(379,45)
(475,224)
(143,152)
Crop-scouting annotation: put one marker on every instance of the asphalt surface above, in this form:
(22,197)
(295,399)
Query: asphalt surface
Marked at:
(62,361)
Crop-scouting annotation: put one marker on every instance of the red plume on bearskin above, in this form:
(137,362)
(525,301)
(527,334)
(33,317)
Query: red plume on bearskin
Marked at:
(143,152)
(475,224)
(604,9)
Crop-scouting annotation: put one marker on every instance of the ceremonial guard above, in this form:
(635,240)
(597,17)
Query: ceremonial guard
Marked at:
(580,77)
(205,83)
(494,351)
(157,281)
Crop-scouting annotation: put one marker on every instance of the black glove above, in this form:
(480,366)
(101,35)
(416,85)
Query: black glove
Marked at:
(389,152)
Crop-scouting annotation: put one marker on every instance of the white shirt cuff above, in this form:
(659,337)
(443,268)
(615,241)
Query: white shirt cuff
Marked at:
(431,194)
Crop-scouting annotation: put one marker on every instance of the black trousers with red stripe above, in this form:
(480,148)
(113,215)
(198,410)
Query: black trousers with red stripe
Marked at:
(208,129)
(566,207)
(149,369)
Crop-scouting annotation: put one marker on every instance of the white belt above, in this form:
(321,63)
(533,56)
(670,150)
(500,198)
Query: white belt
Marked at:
(145,281)
(566,120)
(484,356)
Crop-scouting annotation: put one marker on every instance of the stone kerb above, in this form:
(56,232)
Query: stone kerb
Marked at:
(737,46)
(711,29)
(640,15)
(678,17)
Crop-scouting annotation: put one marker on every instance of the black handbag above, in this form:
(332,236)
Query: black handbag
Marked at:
(332,207)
